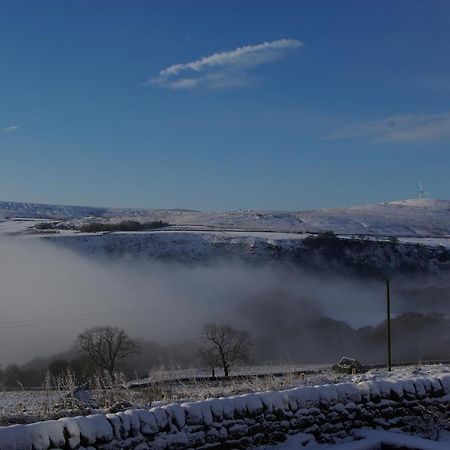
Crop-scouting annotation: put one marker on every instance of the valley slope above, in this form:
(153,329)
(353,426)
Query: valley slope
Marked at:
(410,236)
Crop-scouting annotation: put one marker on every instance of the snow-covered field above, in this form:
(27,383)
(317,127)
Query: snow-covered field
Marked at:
(175,387)
(164,375)
(13,403)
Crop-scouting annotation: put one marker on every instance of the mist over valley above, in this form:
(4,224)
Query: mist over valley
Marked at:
(302,296)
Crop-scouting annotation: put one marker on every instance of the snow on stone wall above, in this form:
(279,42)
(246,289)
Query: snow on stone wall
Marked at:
(325,411)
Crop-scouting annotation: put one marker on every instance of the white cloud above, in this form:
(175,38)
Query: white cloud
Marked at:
(11,129)
(409,127)
(224,69)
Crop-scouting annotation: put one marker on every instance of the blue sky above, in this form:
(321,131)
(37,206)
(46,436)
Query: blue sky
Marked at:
(221,105)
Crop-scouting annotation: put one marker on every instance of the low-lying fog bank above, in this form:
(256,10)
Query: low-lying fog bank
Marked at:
(49,295)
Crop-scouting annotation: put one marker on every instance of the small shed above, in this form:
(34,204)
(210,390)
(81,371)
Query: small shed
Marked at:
(348,365)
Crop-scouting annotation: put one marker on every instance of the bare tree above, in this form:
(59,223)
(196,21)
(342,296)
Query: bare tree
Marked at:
(226,346)
(105,346)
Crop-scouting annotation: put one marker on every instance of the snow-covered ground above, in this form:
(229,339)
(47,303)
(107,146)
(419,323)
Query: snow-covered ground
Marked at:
(364,439)
(408,218)
(24,401)
(370,439)
(194,235)
(182,245)
(428,242)
(33,402)
(183,241)
(420,381)
(316,373)
(164,375)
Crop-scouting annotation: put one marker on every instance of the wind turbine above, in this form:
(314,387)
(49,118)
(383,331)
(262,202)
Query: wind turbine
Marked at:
(422,192)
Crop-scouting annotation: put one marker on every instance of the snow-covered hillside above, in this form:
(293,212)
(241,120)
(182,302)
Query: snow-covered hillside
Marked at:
(49,211)
(259,236)
(350,256)
(409,218)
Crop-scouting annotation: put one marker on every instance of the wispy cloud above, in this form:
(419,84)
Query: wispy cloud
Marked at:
(11,129)
(398,128)
(224,69)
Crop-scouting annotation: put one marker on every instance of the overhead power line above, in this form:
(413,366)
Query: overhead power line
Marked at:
(106,315)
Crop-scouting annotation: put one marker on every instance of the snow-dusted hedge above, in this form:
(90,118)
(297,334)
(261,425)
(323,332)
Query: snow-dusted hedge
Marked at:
(325,411)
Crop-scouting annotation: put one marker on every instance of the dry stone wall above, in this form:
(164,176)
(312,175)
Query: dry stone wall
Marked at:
(327,412)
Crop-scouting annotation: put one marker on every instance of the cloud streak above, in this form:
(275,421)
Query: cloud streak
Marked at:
(399,128)
(224,69)
(11,129)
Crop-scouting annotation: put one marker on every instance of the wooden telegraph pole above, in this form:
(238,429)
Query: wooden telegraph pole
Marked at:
(388,299)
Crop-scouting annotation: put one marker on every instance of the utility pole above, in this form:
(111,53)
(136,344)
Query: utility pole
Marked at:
(388,299)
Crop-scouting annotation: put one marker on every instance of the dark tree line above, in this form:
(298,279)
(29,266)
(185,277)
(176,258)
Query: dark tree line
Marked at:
(416,337)
(152,355)
(32,374)
(124,225)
